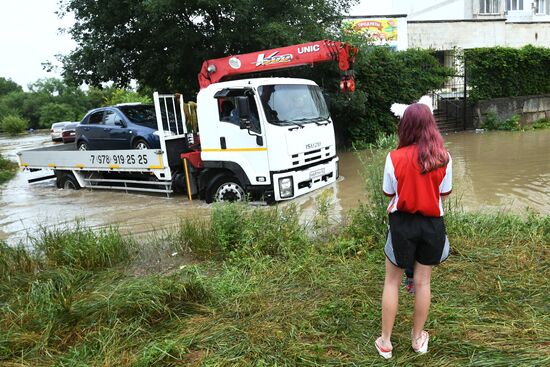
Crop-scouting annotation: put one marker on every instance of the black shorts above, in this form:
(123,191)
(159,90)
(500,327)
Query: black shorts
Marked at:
(414,237)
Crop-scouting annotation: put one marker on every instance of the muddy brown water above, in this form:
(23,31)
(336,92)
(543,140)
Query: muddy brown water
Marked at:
(492,171)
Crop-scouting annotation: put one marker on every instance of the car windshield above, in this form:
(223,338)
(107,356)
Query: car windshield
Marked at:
(286,104)
(140,114)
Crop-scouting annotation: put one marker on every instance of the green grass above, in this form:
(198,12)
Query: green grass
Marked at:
(263,289)
(7,169)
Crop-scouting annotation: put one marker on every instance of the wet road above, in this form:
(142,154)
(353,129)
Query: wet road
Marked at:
(492,171)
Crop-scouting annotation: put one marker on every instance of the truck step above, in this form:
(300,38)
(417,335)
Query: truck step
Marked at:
(164,187)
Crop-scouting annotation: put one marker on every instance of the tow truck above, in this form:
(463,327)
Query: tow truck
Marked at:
(270,139)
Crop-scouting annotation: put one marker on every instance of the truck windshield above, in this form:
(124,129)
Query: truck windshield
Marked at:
(291,104)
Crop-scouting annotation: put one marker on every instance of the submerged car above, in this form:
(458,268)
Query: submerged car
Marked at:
(124,126)
(57,129)
(69,132)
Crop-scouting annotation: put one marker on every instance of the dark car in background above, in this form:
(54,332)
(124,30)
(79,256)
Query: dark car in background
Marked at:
(68,132)
(124,126)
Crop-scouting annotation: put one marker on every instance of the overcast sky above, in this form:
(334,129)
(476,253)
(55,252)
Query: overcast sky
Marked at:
(29,36)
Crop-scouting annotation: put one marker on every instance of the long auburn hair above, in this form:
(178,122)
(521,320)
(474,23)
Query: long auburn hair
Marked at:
(418,127)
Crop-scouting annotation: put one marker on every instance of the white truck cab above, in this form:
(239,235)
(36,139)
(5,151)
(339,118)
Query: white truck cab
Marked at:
(268,137)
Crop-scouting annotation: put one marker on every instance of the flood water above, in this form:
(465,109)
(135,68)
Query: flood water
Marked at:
(492,171)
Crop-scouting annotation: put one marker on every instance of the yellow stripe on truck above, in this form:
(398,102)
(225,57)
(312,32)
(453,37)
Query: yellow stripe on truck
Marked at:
(79,165)
(235,150)
(52,165)
(113,166)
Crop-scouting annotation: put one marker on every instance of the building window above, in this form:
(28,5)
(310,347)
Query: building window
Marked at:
(540,7)
(514,5)
(488,6)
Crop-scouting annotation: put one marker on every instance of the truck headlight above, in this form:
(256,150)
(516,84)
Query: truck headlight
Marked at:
(286,187)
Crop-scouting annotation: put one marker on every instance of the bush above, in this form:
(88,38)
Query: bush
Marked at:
(13,124)
(492,122)
(542,124)
(494,72)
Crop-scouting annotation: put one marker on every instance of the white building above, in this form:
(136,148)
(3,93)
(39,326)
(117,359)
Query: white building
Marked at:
(512,10)
(446,24)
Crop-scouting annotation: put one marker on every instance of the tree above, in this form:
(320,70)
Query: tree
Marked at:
(162,43)
(8,86)
(55,112)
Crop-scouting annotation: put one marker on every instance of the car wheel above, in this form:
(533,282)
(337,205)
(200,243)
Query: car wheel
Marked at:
(226,189)
(141,144)
(82,145)
(69,182)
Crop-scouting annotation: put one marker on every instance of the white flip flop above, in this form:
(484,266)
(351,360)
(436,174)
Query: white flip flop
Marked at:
(384,352)
(424,339)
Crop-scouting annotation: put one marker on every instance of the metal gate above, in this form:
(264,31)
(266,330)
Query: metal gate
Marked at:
(451,102)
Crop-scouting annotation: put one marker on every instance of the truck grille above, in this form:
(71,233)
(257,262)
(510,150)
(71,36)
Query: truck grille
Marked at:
(311,156)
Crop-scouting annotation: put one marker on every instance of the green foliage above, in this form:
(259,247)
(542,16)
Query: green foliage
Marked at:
(8,86)
(14,261)
(52,100)
(144,298)
(492,122)
(55,112)
(235,231)
(13,124)
(542,124)
(126,96)
(506,72)
(83,248)
(162,43)
(7,169)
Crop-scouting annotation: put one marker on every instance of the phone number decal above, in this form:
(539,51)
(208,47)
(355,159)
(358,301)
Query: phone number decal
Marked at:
(118,159)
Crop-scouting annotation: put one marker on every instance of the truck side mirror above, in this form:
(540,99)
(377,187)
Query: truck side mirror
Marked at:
(244,112)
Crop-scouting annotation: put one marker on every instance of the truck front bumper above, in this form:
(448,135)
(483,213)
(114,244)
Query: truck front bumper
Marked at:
(291,184)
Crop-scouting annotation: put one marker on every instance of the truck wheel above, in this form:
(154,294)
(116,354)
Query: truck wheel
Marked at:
(226,189)
(82,145)
(69,182)
(140,144)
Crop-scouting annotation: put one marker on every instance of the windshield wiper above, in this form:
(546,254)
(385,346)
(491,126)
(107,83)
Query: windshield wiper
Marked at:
(316,120)
(292,122)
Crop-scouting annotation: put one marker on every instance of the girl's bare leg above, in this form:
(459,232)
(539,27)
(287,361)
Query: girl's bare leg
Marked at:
(390,299)
(422,297)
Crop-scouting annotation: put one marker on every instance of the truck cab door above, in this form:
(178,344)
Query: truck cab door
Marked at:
(244,146)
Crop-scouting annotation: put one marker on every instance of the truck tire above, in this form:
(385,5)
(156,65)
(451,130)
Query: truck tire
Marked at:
(69,182)
(225,189)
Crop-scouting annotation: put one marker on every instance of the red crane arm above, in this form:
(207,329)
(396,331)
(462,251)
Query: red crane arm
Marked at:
(216,70)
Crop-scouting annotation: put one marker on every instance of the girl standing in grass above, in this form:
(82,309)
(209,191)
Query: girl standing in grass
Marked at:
(417,176)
